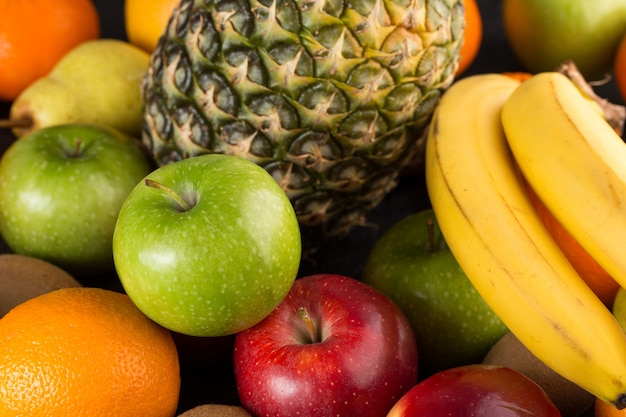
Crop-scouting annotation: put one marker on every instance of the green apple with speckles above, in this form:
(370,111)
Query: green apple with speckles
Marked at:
(61,189)
(207,246)
(412,265)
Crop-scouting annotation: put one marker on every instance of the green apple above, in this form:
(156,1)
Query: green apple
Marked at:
(207,246)
(61,189)
(413,266)
(545,33)
(619,307)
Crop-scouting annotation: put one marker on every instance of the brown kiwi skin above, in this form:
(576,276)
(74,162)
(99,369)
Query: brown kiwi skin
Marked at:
(216,410)
(569,398)
(24,277)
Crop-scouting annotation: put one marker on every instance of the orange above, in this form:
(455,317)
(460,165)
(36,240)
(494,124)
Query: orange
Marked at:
(619,67)
(518,75)
(146,20)
(88,352)
(603,409)
(473,36)
(35,34)
(600,282)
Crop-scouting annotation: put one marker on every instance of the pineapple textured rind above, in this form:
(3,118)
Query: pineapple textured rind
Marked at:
(329,96)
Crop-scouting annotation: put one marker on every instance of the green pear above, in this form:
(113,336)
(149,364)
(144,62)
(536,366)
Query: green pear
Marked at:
(97,82)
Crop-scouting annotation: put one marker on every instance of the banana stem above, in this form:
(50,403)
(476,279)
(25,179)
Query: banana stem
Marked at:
(614,114)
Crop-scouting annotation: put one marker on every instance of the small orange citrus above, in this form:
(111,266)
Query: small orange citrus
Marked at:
(603,409)
(600,282)
(86,351)
(35,34)
(619,67)
(146,20)
(473,36)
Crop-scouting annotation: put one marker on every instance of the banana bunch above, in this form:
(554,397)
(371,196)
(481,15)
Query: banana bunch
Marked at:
(575,162)
(488,131)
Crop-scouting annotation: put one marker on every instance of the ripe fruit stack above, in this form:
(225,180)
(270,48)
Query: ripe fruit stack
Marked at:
(330,98)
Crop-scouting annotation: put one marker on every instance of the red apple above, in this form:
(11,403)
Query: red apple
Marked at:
(334,347)
(476,390)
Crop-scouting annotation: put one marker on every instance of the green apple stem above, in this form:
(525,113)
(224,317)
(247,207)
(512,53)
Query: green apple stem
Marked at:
(432,244)
(311,335)
(182,204)
(77,143)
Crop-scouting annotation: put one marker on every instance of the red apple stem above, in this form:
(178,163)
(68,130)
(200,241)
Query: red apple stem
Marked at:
(182,204)
(312,335)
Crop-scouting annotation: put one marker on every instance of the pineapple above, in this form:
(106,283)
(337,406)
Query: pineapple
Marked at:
(331,97)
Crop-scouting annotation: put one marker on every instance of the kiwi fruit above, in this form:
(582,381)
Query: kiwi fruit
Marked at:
(24,277)
(569,398)
(216,410)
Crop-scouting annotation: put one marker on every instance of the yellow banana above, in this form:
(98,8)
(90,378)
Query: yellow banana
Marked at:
(575,162)
(502,245)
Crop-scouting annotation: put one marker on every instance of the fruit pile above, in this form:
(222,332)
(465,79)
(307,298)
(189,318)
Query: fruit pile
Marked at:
(312,208)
